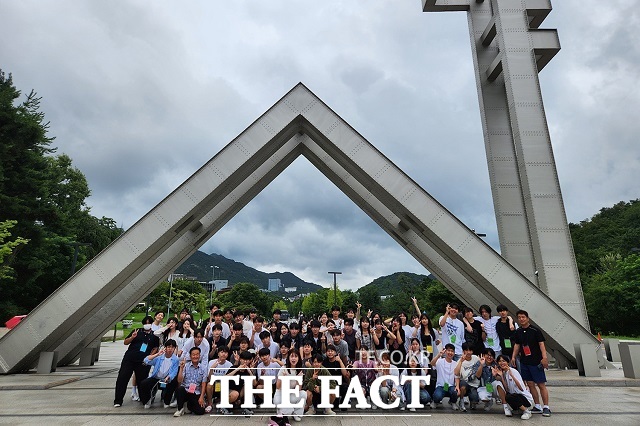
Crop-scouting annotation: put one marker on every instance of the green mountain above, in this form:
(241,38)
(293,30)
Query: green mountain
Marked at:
(391,284)
(199,265)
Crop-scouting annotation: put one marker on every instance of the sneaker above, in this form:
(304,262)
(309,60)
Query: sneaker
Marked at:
(310,412)
(117,405)
(546,412)
(167,405)
(178,413)
(135,397)
(461,405)
(526,415)
(536,410)
(329,412)
(488,404)
(474,405)
(147,406)
(174,404)
(433,405)
(507,411)
(246,412)
(208,409)
(412,409)
(224,411)
(454,406)
(402,406)
(297,418)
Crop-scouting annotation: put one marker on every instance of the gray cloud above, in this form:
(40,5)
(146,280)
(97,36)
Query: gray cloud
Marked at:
(141,94)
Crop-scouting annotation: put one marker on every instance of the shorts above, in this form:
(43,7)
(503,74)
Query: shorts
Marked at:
(533,373)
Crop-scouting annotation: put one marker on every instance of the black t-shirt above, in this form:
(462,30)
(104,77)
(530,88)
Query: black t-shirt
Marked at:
(141,345)
(220,342)
(474,338)
(244,372)
(529,340)
(504,332)
(332,366)
(351,343)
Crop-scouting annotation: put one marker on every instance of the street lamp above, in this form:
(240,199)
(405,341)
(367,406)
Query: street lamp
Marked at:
(213,270)
(170,290)
(335,288)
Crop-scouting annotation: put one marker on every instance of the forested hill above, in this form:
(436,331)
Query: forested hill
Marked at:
(614,230)
(607,248)
(391,284)
(199,265)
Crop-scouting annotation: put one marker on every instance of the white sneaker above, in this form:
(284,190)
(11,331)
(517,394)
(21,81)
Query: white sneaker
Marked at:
(147,406)
(297,418)
(135,397)
(433,405)
(507,411)
(178,413)
(117,405)
(526,415)
(174,404)
(488,404)
(310,412)
(329,412)
(167,405)
(454,406)
(412,409)
(462,406)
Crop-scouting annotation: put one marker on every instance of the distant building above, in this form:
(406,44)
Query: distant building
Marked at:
(274,284)
(183,277)
(290,289)
(220,284)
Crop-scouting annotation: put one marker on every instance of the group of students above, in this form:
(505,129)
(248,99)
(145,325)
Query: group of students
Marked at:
(465,358)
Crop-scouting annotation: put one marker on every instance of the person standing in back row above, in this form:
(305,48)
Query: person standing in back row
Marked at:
(529,344)
(452,329)
(142,342)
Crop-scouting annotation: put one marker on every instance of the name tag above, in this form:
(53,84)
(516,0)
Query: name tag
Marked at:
(446,387)
(453,339)
(526,350)
(489,387)
(143,347)
(507,343)
(216,387)
(192,388)
(490,341)
(430,349)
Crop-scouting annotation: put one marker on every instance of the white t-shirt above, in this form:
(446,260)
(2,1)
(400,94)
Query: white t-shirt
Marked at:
(219,369)
(492,341)
(268,370)
(468,370)
(444,371)
(453,332)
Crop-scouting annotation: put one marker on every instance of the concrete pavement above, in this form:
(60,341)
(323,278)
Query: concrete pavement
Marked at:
(84,395)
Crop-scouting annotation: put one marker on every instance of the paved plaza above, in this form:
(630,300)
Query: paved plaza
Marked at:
(84,395)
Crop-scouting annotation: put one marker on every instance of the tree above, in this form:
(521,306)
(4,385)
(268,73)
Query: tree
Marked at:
(279,304)
(45,196)
(613,297)
(247,295)
(8,248)
(370,298)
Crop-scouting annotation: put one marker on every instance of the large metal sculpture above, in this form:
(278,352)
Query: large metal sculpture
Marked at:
(508,52)
(524,183)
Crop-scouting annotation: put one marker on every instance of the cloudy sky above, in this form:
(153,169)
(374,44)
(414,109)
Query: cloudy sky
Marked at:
(140,94)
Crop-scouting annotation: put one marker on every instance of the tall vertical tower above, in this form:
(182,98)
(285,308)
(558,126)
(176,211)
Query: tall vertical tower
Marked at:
(509,50)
